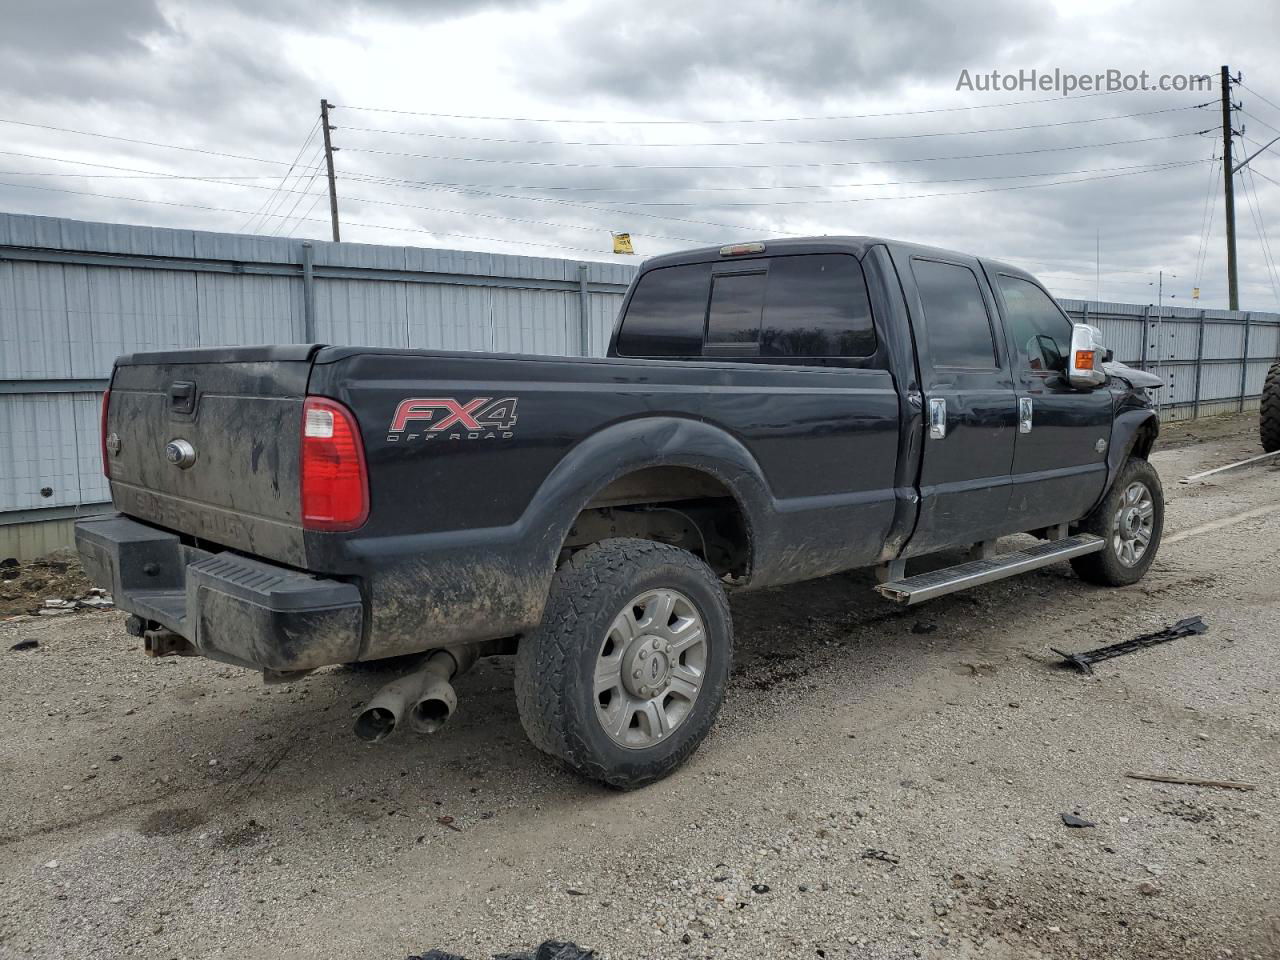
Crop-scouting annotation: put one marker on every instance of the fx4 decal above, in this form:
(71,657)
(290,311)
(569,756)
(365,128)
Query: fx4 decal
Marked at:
(428,418)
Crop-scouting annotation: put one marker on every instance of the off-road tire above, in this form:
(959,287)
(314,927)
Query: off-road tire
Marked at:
(555,663)
(1269,411)
(1105,567)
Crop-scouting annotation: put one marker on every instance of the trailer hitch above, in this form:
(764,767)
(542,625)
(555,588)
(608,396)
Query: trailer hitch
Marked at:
(1085,661)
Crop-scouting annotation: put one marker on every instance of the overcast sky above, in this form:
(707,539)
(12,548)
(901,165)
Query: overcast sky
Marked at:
(425,168)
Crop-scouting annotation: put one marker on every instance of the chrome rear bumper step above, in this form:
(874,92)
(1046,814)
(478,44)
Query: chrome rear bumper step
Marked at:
(938,583)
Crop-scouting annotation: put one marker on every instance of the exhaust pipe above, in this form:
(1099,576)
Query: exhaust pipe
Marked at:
(425,696)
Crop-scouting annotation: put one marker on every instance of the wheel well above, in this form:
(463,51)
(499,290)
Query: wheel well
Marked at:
(678,505)
(1144,439)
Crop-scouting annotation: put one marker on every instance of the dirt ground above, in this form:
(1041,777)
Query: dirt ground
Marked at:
(882,784)
(24,587)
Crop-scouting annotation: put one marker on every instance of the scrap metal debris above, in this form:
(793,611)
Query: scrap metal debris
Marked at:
(1071,820)
(1230,466)
(1085,661)
(884,856)
(547,950)
(1193,781)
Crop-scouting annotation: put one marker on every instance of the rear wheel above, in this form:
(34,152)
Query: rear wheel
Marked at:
(1269,411)
(625,675)
(1130,520)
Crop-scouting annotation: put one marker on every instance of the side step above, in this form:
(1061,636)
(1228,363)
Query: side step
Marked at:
(937,583)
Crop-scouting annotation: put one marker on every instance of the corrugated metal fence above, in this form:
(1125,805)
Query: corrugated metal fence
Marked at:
(74,295)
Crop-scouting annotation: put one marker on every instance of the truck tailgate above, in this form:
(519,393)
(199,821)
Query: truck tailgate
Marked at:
(240,412)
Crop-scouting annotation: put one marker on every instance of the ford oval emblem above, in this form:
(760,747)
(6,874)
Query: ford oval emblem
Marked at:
(180,453)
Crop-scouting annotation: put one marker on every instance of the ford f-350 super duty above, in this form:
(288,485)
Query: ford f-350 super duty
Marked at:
(766,413)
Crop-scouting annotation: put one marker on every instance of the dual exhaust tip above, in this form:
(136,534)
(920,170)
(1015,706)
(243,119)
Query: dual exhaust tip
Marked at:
(424,698)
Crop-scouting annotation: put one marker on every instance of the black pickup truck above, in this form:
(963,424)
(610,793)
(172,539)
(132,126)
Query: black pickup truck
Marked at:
(767,413)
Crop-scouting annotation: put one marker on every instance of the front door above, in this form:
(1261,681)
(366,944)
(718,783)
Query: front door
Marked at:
(969,405)
(1060,458)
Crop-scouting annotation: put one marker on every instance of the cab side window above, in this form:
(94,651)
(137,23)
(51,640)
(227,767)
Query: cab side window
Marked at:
(817,306)
(666,313)
(956,318)
(1037,327)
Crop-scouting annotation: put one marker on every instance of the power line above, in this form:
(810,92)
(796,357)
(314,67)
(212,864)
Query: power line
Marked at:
(767,166)
(306,215)
(360,176)
(117,176)
(1270,103)
(315,169)
(846,116)
(391,203)
(1145,168)
(767,143)
(852,200)
(149,143)
(1207,217)
(746,187)
(1263,175)
(302,149)
(613,211)
(1257,119)
(408,185)
(1255,210)
(750,187)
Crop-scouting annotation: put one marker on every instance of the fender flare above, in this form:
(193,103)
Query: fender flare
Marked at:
(1124,435)
(640,444)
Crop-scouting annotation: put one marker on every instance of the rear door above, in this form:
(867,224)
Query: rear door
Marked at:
(1060,457)
(969,404)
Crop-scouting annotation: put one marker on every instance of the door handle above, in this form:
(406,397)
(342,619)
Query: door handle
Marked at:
(1024,414)
(937,418)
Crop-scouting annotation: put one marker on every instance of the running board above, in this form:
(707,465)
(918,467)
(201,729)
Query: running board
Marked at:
(937,583)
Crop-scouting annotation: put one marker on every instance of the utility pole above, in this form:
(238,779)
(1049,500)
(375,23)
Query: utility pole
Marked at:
(1228,175)
(329,148)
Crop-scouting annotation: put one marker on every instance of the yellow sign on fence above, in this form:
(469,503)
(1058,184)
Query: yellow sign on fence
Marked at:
(622,243)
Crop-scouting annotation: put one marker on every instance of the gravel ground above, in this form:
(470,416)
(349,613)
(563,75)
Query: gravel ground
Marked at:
(882,784)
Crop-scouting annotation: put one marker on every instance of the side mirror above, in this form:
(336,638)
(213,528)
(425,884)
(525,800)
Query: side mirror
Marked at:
(1084,365)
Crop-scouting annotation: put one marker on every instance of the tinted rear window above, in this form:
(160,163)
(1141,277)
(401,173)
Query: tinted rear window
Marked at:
(955,315)
(737,300)
(817,307)
(803,306)
(666,313)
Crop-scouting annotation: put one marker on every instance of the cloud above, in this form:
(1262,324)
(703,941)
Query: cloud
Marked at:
(821,50)
(76,26)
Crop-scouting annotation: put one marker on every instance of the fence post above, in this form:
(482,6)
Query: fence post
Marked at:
(308,293)
(1244,362)
(1146,318)
(584,311)
(1195,408)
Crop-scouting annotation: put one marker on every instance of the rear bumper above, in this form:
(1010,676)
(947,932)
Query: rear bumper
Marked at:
(230,607)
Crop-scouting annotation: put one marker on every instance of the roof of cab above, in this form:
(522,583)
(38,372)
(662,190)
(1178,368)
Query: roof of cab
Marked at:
(856,245)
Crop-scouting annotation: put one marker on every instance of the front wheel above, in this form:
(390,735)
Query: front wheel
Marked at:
(1130,520)
(625,675)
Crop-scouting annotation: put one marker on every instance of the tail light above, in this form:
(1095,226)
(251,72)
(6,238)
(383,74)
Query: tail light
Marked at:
(102,433)
(335,483)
